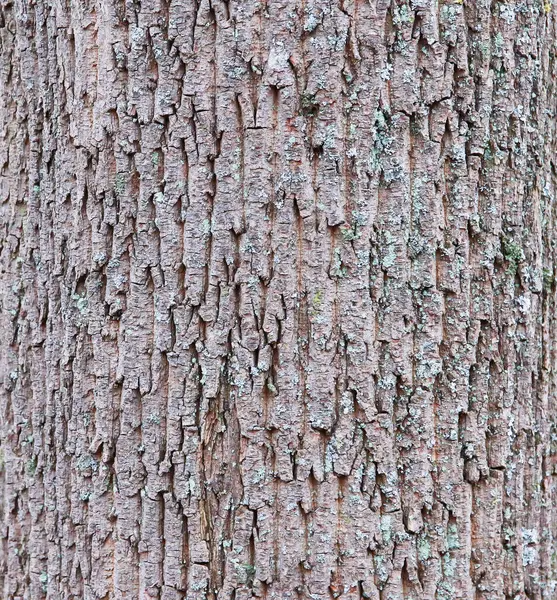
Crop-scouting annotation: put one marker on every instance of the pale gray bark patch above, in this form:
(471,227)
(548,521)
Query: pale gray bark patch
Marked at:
(277,286)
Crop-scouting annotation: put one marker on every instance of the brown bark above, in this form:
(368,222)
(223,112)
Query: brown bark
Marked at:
(277,299)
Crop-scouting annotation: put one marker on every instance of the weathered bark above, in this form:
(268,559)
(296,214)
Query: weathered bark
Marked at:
(278,299)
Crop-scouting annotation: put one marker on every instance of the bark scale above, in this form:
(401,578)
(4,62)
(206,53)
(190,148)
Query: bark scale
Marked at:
(278,299)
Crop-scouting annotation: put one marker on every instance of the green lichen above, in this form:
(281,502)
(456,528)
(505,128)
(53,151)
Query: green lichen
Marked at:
(43,578)
(403,15)
(246,573)
(32,466)
(81,303)
(120,183)
(338,270)
(390,258)
(381,570)
(386,529)
(86,463)
(311,23)
(206,227)
(513,253)
(424,549)
(452,537)
(317,300)
(449,566)
(309,104)
(348,234)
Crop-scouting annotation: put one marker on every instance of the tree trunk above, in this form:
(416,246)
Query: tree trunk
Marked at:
(278,300)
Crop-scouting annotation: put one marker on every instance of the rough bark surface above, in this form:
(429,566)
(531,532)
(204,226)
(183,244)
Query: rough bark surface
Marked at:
(278,300)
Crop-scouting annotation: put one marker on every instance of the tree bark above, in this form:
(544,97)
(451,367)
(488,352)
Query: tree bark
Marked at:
(278,299)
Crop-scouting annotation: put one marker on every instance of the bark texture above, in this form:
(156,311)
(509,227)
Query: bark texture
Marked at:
(278,299)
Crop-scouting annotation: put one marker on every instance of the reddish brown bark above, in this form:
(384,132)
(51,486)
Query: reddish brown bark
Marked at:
(277,299)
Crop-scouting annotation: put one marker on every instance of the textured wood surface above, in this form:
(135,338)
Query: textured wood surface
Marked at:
(278,300)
